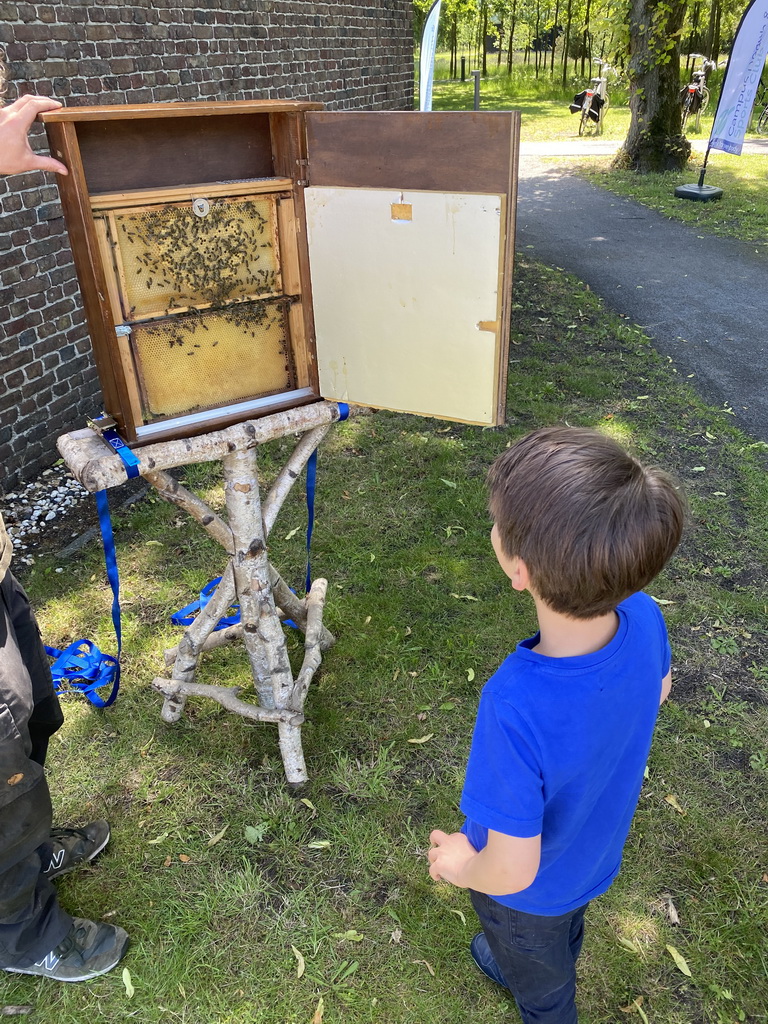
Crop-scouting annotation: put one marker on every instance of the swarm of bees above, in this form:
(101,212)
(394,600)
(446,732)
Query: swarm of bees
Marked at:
(226,256)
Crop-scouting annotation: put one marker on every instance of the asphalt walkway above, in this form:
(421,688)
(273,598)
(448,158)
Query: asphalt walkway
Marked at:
(702,298)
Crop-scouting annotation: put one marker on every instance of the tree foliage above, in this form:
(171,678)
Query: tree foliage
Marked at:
(644,39)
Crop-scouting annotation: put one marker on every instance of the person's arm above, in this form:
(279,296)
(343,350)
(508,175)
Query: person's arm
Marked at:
(666,686)
(505,865)
(16,154)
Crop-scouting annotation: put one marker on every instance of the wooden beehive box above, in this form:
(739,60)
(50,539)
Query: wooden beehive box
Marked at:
(236,259)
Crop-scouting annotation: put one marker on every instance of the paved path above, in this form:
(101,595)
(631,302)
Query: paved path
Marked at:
(703,299)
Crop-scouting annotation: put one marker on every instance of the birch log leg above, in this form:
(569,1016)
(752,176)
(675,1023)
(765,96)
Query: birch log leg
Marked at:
(312,644)
(290,472)
(296,609)
(171,490)
(192,643)
(262,631)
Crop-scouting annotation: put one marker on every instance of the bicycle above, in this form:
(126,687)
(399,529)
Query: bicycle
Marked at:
(593,102)
(694,97)
(762,98)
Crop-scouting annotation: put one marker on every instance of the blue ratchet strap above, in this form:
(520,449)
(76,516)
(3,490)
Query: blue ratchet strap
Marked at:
(82,665)
(311,487)
(186,616)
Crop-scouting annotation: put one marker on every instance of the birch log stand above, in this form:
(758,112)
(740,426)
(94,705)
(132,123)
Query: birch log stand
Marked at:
(264,597)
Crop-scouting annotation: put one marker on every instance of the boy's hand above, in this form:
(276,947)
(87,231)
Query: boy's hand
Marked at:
(16,154)
(449,856)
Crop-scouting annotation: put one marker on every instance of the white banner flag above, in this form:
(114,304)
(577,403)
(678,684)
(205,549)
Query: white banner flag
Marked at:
(427,56)
(741,79)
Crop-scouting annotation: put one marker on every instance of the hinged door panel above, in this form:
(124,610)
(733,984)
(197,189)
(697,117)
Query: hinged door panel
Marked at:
(410,225)
(406,295)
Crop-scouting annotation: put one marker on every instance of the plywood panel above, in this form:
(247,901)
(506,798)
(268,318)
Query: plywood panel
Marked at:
(405,287)
(456,151)
(125,154)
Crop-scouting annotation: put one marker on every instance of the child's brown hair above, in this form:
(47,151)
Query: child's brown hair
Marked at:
(590,522)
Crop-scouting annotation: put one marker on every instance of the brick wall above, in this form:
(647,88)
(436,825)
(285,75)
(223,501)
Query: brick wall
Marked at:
(342,54)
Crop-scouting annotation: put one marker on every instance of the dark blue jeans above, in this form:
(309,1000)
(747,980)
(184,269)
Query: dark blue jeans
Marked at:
(537,956)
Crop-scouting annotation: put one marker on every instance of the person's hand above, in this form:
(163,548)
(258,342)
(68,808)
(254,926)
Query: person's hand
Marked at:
(16,154)
(449,856)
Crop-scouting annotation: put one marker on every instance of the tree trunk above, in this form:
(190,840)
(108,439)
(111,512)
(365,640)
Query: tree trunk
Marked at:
(567,42)
(485,40)
(654,141)
(554,40)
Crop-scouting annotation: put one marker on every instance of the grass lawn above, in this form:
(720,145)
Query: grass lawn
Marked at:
(741,213)
(250,904)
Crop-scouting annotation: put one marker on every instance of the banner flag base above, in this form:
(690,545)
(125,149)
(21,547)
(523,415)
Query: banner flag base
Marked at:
(699,193)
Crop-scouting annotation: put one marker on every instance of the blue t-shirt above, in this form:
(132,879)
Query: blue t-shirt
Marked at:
(559,749)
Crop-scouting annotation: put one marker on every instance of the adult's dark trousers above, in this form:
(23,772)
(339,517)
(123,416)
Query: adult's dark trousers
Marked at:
(537,957)
(31,921)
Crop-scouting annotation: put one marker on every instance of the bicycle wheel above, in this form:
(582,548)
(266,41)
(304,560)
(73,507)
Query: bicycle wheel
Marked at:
(584,119)
(602,112)
(686,112)
(704,94)
(762,122)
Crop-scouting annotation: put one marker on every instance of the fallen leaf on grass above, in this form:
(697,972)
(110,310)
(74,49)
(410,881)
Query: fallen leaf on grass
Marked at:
(319,844)
(184,858)
(153,544)
(465,597)
(309,804)
(636,1006)
(674,802)
(317,1016)
(254,833)
(129,989)
(15,1011)
(426,963)
(628,944)
(217,838)
(458,913)
(470,675)
(349,936)
(672,914)
(680,961)
(292,533)
(300,965)
(423,739)
(448,483)
(396,936)
(765,878)
(167,862)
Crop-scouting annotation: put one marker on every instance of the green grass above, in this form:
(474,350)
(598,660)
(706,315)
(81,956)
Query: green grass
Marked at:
(741,213)
(543,104)
(422,615)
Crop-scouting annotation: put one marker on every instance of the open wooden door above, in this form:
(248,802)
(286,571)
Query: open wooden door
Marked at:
(410,226)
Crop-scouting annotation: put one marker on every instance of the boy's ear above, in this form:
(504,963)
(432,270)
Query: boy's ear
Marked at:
(520,576)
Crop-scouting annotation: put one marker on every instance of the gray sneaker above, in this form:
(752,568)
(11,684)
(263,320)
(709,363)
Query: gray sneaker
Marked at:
(74,846)
(88,950)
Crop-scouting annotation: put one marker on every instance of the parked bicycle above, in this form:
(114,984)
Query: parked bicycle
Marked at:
(762,101)
(593,102)
(694,97)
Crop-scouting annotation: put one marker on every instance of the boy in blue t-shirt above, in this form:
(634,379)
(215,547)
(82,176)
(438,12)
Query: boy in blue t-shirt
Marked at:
(564,727)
